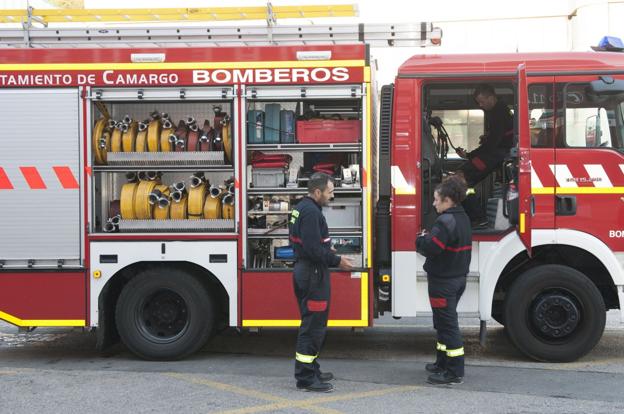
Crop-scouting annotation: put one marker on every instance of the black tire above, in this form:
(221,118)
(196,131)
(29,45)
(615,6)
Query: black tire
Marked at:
(554,313)
(164,314)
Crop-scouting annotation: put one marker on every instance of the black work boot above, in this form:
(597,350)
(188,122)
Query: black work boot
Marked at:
(444,378)
(326,376)
(316,387)
(434,368)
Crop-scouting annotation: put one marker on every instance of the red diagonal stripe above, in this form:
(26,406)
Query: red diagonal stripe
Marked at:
(66,177)
(5,183)
(34,180)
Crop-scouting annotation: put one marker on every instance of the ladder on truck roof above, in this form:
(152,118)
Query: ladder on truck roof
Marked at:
(377,35)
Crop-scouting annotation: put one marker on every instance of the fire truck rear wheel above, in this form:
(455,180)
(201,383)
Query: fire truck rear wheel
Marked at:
(164,314)
(554,313)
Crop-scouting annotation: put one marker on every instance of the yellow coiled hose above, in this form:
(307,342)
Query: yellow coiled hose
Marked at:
(116,140)
(212,207)
(196,199)
(99,133)
(128,137)
(178,210)
(165,145)
(227,211)
(227,142)
(142,207)
(160,212)
(153,135)
(127,201)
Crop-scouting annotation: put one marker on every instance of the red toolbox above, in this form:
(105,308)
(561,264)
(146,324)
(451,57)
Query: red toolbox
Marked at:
(317,131)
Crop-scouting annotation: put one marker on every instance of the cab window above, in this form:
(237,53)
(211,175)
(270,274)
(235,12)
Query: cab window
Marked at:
(590,121)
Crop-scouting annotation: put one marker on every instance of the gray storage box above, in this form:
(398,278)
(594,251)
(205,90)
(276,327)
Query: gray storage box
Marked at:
(268,177)
(344,214)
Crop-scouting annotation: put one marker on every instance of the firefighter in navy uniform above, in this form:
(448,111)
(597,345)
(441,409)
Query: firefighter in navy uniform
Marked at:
(493,147)
(448,250)
(309,236)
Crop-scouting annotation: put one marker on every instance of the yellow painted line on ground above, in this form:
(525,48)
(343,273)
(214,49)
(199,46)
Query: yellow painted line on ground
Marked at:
(248,393)
(305,404)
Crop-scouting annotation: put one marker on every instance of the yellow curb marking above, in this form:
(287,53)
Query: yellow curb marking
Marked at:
(306,404)
(250,393)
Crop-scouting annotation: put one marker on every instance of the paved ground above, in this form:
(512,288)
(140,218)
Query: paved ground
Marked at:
(378,371)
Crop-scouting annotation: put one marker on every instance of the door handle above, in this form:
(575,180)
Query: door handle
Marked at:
(565,205)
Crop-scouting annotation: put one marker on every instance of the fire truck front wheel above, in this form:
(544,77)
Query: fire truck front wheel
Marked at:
(164,314)
(554,313)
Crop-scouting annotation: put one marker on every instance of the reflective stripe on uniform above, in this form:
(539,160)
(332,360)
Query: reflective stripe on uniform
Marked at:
(455,352)
(470,191)
(306,359)
(440,347)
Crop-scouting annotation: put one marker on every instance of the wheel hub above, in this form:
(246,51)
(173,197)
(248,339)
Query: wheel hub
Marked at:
(555,315)
(164,315)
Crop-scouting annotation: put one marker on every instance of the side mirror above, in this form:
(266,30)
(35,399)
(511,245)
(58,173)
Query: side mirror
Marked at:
(591,130)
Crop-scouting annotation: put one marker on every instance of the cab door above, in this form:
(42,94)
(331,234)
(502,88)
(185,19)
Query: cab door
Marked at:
(589,166)
(525,198)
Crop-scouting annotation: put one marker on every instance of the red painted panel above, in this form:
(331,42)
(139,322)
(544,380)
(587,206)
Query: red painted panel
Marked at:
(406,208)
(190,54)
(601,215)
(43,295)
(271,296)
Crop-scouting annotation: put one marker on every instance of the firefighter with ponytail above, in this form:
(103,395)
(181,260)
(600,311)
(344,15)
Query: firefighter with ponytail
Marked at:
(448,249)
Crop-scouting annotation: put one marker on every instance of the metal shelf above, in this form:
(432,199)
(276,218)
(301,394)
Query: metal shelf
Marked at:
(283,233)
(162,168)
(268,213)
(299,191)
(351,147)
(162,159)
(201,225)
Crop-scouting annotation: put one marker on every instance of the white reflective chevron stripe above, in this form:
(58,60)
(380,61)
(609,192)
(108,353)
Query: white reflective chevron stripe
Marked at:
(597,171)
(535,181)
(563,175)
(622,168)
(399,183)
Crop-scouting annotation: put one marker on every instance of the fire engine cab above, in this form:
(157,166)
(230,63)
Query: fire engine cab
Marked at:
(146,192)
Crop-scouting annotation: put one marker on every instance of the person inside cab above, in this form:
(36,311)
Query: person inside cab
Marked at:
(493,148)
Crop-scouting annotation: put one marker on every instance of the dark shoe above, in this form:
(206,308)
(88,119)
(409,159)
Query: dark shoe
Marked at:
(434,368)
(480,224)
(444,378)
(316,387)
(326,376)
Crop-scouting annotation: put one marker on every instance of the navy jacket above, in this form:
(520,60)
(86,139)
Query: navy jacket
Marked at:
(448,246)
(309,234)
(499,131)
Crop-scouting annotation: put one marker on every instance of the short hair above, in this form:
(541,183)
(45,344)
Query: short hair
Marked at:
(484,89)
(319,180)
(453,187)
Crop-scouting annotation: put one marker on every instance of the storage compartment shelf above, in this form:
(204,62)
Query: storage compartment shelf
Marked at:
(300,191)
(281,233)
(155,159)
(306,147)
(165,168)
(202,225)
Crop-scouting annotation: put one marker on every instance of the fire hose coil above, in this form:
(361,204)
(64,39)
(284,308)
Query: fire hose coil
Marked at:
(142,207)
(100,141)
(196,199)
(127,201)
(128,137)
(177,211)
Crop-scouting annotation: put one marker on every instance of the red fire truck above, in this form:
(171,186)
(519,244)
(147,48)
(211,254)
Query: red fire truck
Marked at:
(145,192)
